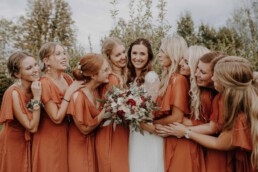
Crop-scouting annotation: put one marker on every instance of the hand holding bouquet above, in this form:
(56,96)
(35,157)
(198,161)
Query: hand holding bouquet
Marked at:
(133,105)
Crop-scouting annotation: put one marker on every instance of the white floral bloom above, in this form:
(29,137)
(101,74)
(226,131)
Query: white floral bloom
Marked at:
(120,101)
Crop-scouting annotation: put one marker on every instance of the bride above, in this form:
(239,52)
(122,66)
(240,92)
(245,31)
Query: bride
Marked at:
(145,150)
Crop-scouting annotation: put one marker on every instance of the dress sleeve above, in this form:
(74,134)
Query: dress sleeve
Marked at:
(46,91)
(217,110)
(242,133)
(80,109)
(179,94)
(6,112)
(152,84)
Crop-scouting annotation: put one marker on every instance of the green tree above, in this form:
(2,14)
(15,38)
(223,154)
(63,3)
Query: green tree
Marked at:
(140,23)
(185,28)
(207,36)
(45,21)
(228,41)
(245,21)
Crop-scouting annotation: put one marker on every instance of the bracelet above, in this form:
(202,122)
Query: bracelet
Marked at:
(33,105)
(66,100)
(187,133)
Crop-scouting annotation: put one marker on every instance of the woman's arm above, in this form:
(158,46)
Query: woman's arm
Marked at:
(222,142)
(30,125)
(87,129)
(176,116)
(57,114)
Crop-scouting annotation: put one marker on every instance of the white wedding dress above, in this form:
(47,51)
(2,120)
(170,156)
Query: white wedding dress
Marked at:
(146,151)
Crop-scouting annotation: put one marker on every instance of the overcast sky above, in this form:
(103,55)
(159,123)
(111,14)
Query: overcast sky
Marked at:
(92,17)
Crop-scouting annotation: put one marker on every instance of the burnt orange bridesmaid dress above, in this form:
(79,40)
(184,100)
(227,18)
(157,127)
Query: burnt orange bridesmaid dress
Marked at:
(81,148)
(206,98)
(112,146)
(217,160)
(243,142)
(49,148)
(15,140)
(237,160)
(180,154)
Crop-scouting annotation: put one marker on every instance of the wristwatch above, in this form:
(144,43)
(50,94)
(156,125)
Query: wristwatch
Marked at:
(187,133)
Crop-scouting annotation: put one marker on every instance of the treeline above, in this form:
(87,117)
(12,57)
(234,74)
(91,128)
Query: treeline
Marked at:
(51,20)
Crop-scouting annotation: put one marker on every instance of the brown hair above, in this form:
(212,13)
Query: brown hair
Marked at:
(15,60)
(88,65)
(46,51)
(146,68)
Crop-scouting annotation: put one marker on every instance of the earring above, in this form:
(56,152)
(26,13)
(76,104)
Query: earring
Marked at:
(48,69)
(19,82)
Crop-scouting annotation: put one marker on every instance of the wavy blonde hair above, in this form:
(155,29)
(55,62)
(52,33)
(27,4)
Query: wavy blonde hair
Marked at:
(239,95)
(175,48)
(107,50)
(194,54)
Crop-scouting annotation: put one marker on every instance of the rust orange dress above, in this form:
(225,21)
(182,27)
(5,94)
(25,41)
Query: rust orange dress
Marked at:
(81,148)
(180,154)
(49,148)
(206,98)
(15,140)
(112,146)
(237,160)
(217,160)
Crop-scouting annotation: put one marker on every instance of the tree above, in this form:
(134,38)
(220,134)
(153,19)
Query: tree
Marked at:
(45,21)
(140,23)
(185,28)
(245,21)
(7,32)
(207,36)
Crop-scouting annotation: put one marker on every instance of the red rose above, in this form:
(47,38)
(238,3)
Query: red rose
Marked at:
(120,113)
(143,98)
(131,102)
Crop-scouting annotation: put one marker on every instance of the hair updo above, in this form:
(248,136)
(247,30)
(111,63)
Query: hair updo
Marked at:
(89,65)
(15,60)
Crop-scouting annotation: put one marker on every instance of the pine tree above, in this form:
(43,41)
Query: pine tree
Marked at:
(185,28)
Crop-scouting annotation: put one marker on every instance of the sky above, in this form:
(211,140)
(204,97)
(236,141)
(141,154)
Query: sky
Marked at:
(92,17)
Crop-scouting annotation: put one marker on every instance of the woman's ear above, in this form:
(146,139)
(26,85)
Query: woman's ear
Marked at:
(46,61)
(17,75)
(93,77)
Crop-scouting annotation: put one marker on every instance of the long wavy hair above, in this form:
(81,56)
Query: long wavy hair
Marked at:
(194,54)
(175,48)
(107,49)
(148,67)
(239,95)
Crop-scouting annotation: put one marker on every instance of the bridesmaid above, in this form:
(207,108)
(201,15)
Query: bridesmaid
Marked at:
(112,146)
(85,109)
(49,149)
(239,132)
(208,109)
(173,98)
(20,112)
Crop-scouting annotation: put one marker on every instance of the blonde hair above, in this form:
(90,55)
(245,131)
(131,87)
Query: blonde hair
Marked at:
(175,48)
(239,95)
(194,53)
(107,49)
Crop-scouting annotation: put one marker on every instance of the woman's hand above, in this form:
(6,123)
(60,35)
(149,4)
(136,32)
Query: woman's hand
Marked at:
(72,88)
(36,90)
(177,129)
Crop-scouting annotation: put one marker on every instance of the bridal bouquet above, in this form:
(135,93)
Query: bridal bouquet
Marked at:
(132,105)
